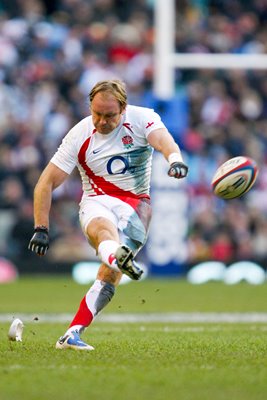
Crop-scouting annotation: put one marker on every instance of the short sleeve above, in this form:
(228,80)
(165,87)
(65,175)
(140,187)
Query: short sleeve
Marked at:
(152,121)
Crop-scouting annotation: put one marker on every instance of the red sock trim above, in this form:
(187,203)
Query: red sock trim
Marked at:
(83,316)
(111,258)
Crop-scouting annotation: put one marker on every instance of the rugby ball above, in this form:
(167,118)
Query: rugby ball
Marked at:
(234,177)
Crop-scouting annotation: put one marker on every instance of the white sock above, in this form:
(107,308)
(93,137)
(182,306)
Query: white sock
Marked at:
(79,328)
(106,252)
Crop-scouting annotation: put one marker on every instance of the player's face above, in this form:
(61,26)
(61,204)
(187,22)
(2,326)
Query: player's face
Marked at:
(106,112)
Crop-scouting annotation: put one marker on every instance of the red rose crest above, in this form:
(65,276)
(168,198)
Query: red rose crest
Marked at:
(127,141)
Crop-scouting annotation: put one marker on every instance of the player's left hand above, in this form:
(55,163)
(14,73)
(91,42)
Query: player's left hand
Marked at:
(178,170)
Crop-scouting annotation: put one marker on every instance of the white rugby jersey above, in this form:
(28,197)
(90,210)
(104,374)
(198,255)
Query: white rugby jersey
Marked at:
(116,164)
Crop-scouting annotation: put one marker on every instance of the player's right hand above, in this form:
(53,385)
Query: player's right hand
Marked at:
(39,243)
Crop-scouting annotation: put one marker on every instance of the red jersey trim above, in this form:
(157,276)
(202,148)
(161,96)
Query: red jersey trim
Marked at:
(99,185)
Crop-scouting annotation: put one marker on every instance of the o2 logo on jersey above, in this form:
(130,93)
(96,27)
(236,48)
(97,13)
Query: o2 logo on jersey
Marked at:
(119,165)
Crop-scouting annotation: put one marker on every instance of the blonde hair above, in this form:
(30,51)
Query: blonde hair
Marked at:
(115,87)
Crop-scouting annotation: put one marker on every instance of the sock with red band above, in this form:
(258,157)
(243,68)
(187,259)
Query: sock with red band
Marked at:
(98,296)
(106,252)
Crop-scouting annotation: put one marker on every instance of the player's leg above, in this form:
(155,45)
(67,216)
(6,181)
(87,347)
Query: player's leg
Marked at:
(106,220)
(104,236)
(97,297)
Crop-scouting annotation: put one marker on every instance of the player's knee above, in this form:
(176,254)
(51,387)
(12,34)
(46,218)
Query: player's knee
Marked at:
(100,229)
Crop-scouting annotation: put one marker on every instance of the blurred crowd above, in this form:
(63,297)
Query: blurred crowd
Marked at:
(53,52)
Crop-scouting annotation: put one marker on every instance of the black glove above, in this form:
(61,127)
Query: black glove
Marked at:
(39,243)
(178,170)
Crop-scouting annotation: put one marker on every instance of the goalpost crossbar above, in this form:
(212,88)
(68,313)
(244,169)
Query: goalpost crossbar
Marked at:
(166,61)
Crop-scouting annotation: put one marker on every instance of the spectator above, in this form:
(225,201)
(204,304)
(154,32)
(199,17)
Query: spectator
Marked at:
(52,53)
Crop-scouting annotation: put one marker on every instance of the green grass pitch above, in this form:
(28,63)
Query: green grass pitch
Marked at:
(197,361)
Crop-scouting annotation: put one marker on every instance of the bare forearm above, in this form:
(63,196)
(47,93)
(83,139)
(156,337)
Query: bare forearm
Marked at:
(42,204)
(50,179)
(170,147)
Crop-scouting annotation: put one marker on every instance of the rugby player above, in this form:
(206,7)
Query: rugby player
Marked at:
(112,148)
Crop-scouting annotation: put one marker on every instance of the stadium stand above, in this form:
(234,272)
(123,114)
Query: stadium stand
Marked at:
(52,52)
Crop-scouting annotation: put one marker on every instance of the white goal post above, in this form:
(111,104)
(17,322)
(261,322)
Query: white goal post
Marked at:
(166,60)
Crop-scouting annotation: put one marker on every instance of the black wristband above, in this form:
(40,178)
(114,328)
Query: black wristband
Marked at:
(41,228)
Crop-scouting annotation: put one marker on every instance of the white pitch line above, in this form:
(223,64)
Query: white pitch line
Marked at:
(195,317)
